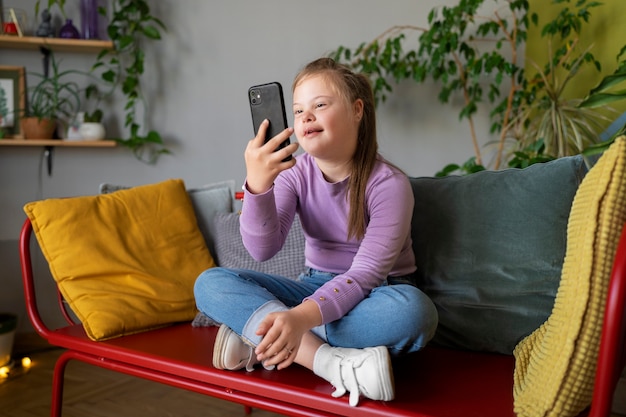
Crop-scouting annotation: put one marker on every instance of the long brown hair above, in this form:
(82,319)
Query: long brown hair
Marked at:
(352,86)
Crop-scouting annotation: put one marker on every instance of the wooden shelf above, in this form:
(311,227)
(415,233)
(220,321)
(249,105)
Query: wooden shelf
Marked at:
(57,143)
(55,44)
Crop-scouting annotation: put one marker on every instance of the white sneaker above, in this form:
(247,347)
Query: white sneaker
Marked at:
(364,372)
(231,352)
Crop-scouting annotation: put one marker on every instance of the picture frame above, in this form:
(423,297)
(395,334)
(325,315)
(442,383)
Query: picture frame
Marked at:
(12,100)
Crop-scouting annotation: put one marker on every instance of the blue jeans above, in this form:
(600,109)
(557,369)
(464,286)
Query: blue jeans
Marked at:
(396,315)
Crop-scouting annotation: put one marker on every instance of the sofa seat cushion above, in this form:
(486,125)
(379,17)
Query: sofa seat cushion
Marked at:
(489,249)
(127,261)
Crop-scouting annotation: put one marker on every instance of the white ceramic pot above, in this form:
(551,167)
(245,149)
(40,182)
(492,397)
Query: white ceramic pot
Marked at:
(92,131)
(8,323)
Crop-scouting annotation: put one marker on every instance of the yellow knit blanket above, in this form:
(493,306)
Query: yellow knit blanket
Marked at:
(555,365)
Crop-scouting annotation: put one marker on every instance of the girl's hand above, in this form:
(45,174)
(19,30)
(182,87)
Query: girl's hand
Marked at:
(282,334)
(281,339)
(263,164)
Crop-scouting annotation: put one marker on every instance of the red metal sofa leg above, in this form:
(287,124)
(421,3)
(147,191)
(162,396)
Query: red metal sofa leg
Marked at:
(58,380)
(247,409)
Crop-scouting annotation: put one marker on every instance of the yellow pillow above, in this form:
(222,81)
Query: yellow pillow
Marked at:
(127,261)
(555,365)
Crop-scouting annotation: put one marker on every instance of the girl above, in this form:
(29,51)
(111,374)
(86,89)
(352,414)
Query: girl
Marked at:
(354,306)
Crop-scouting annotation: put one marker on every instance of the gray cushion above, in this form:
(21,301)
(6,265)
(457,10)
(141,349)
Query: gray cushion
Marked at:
(490,247)
(207,200)
(231,253)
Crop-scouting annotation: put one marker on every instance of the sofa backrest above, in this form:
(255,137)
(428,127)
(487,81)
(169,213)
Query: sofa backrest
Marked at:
(489,247)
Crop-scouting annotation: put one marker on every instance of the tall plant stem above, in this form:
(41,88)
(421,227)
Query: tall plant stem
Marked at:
(470,119)
(512,39)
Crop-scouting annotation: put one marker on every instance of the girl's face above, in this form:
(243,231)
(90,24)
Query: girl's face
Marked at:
(325,124)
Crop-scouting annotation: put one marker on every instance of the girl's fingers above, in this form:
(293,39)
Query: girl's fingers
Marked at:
(260,135)
(282,358)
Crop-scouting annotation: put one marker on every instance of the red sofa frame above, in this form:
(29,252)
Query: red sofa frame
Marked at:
(435,382)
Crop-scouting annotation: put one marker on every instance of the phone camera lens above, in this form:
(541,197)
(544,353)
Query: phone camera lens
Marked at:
(255,96)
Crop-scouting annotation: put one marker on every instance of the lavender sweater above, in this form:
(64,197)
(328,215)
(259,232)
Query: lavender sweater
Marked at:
(323,209)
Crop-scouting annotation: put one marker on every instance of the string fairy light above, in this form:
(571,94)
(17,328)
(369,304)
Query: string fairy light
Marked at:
(15,368)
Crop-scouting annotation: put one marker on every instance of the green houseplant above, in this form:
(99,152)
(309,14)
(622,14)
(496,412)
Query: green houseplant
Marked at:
(91,127)
(59,3)
(94,117)
(4,110)
(121,69)
(478,57)
(52,99)
(609,90)
(92,111)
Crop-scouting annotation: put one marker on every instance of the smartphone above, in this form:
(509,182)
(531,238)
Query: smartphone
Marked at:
(267,102)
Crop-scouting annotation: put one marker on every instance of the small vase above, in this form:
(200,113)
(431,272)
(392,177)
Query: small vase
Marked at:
(90,19)
(69,31)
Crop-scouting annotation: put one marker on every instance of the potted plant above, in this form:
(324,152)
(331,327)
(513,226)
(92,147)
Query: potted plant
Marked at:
(88,123)
(52,100)
(92,128)
(528,111)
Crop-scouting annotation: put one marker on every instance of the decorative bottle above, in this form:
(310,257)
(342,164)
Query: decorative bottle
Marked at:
(92,23)
(69,31)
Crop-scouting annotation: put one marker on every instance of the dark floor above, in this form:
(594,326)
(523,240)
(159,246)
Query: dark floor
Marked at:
(95,392)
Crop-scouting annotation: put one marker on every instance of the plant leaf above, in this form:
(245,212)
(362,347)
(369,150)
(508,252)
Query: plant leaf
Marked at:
(151,32)
(602,99)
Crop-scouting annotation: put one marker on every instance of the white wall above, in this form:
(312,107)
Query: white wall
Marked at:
(197,79)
